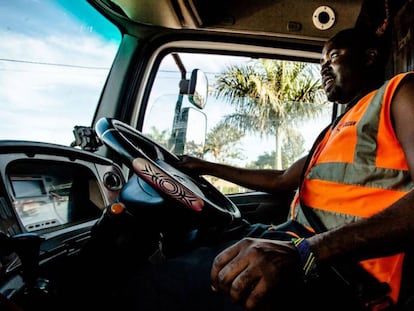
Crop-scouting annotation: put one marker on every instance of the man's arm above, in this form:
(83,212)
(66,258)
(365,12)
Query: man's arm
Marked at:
(386,233)
(270,181)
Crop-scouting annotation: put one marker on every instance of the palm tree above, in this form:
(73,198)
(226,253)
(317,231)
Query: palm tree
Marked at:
(270,96)
(222,143)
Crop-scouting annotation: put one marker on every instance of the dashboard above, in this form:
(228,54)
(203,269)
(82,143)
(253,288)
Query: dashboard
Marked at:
(54,192)
(46,187)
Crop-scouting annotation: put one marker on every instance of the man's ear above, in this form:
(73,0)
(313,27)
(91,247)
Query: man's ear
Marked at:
(371,55)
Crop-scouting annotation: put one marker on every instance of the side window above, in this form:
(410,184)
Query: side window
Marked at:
(260,113)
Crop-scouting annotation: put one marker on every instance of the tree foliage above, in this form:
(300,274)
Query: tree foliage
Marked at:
(292,148)
(270,96)
(222,143)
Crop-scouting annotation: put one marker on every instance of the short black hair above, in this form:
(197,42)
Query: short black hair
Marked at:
(359,38)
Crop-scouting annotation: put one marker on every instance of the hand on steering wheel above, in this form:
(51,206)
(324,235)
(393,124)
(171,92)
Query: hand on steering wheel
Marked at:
(155,164)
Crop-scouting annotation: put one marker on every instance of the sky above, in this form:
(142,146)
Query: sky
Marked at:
(45,58)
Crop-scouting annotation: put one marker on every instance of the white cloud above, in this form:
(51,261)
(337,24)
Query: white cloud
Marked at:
(45,98)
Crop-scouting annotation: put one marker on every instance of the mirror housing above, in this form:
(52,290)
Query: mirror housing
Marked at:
(196,88)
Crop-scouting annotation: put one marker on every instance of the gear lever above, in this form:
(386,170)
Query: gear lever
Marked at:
(27,247)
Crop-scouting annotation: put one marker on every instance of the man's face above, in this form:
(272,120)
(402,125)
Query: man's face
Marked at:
(341,72)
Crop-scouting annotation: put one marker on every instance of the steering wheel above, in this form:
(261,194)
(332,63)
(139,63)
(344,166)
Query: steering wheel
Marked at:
(155,165)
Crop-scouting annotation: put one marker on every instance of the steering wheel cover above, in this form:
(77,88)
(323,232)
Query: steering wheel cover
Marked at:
(166,183)
(154,164)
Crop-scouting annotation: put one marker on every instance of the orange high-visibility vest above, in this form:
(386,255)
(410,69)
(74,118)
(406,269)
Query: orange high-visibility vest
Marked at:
(359,169)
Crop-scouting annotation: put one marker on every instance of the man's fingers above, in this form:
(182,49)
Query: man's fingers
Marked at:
(256,295)
(242,286)
(225,268)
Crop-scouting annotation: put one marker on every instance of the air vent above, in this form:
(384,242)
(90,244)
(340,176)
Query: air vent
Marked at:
(43,225)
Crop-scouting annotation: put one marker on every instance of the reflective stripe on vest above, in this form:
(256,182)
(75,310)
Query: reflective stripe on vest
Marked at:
(357,170)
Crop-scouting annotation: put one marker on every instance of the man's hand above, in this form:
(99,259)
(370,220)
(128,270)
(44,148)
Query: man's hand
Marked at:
(254,270)
(191,164)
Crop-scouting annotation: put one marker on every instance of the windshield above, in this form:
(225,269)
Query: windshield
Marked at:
(231,129)
(55,56)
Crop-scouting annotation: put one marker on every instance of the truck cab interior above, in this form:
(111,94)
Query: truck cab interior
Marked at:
(155,97)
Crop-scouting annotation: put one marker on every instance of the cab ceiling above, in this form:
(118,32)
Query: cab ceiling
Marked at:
(285,18)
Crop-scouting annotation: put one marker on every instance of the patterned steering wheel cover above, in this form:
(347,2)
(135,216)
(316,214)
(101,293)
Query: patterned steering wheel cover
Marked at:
(155,165)
(164,182)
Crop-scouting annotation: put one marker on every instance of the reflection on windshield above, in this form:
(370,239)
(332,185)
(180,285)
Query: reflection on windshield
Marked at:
(40,204)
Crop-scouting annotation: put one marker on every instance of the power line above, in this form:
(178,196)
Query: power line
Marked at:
(77,66)
(51,64)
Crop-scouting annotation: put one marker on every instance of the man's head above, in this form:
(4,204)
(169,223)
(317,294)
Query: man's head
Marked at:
(353,63)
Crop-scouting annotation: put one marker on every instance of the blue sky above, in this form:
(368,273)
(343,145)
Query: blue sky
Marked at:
(46,57)
(31,16)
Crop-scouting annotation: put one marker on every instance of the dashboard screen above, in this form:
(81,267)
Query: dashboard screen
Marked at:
(28,187)
(50,195)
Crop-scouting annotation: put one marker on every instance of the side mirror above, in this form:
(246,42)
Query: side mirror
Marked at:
(195,122)
(190,136)
(196,88)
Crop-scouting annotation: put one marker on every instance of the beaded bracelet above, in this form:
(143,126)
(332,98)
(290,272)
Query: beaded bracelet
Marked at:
(307,258)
